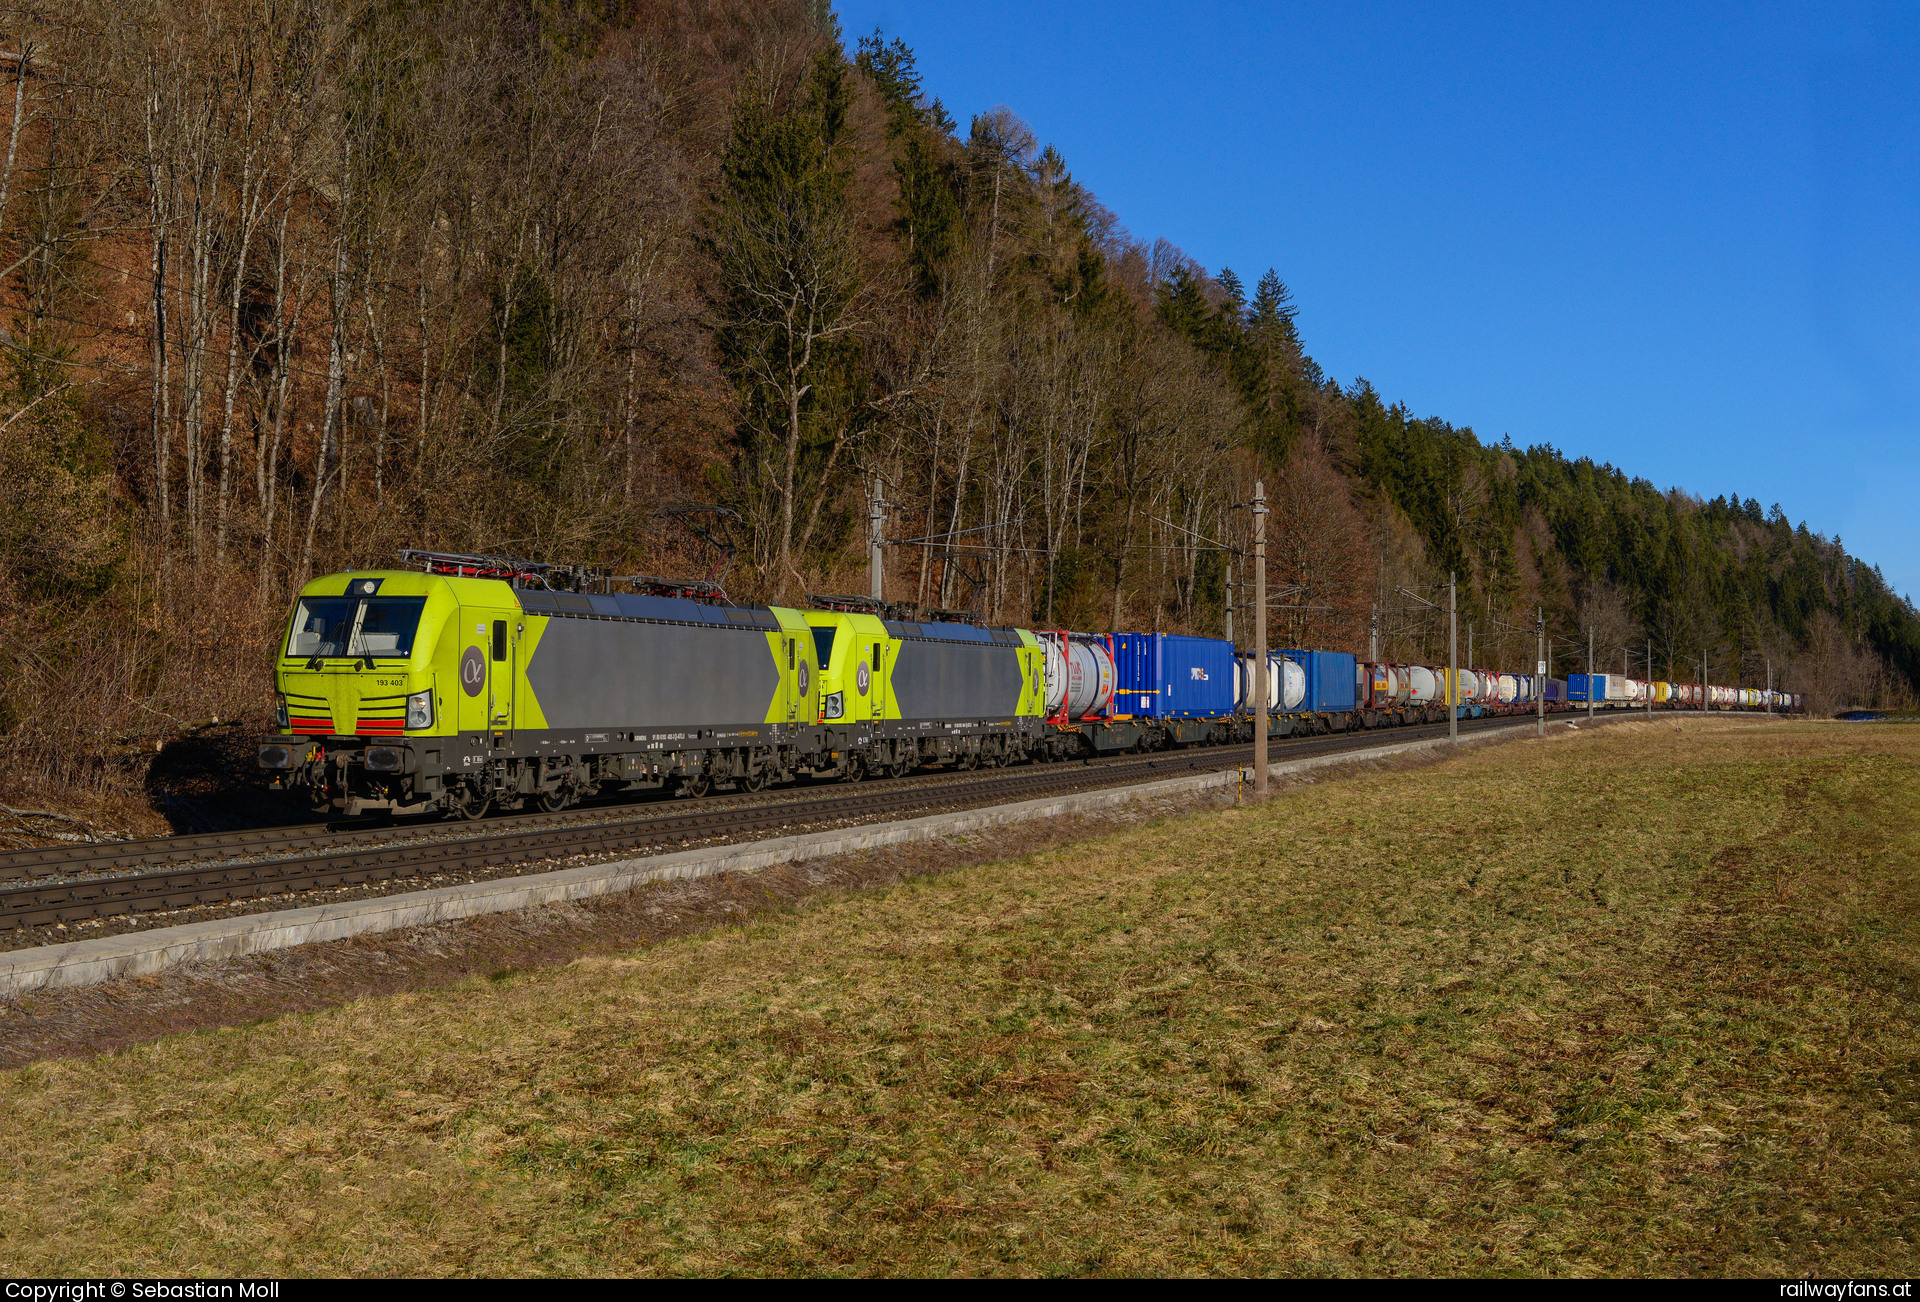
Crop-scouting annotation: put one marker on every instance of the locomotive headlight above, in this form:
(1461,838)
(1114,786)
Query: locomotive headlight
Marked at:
(835,705)
(420,710)
(280,711)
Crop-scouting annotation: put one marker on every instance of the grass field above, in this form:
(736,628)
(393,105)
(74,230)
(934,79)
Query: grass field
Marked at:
(1635,1001)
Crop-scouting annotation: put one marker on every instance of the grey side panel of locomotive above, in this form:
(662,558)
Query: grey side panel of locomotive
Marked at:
(598,673)
(956,680)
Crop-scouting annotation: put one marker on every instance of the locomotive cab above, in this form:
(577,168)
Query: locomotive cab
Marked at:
(854,652)
(357,687)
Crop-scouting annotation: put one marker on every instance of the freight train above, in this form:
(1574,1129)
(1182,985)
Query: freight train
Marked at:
(458,684)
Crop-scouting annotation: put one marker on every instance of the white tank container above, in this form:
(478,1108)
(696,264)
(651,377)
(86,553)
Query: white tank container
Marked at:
(1056,670)
(1509,689)
(1286,683)
(1423,686)
(1291,680)
(1089,678)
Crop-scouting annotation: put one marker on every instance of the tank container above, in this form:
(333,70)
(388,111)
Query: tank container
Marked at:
(1089,677)
(1286,683)
(1423,685)
(1290,681)
(1056,671)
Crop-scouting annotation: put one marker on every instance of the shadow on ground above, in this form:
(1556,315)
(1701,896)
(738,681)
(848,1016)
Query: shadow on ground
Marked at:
(209,781)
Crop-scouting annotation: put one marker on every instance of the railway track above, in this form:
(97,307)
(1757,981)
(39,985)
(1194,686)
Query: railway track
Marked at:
(225,867)
(162,851)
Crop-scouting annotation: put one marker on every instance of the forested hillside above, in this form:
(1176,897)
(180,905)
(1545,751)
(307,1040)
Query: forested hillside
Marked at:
(681,288)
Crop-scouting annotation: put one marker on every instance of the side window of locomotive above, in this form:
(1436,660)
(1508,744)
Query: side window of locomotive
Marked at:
(789,653)
(499,640)
(876,657)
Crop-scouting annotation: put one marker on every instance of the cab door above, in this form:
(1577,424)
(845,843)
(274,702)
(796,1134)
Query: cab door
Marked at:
(877,668)
(503,654)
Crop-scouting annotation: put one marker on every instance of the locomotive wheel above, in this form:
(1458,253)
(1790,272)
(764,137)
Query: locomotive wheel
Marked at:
(856,769)
(754,781)
(553,802)
(699,786)
(471,804)
(901,768)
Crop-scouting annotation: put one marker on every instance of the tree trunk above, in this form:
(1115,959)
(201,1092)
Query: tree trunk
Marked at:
(338,291)
(162,416)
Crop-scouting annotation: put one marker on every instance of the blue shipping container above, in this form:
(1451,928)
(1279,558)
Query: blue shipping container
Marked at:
(1577,687)
(1556,689)
(1329,680)
(1167,676)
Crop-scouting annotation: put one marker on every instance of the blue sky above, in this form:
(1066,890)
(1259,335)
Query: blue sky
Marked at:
(1685,240)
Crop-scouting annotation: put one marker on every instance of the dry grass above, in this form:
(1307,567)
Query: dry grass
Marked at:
(1640,1001)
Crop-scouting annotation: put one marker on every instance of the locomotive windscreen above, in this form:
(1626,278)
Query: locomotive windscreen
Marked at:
(381,627)
(823,647)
